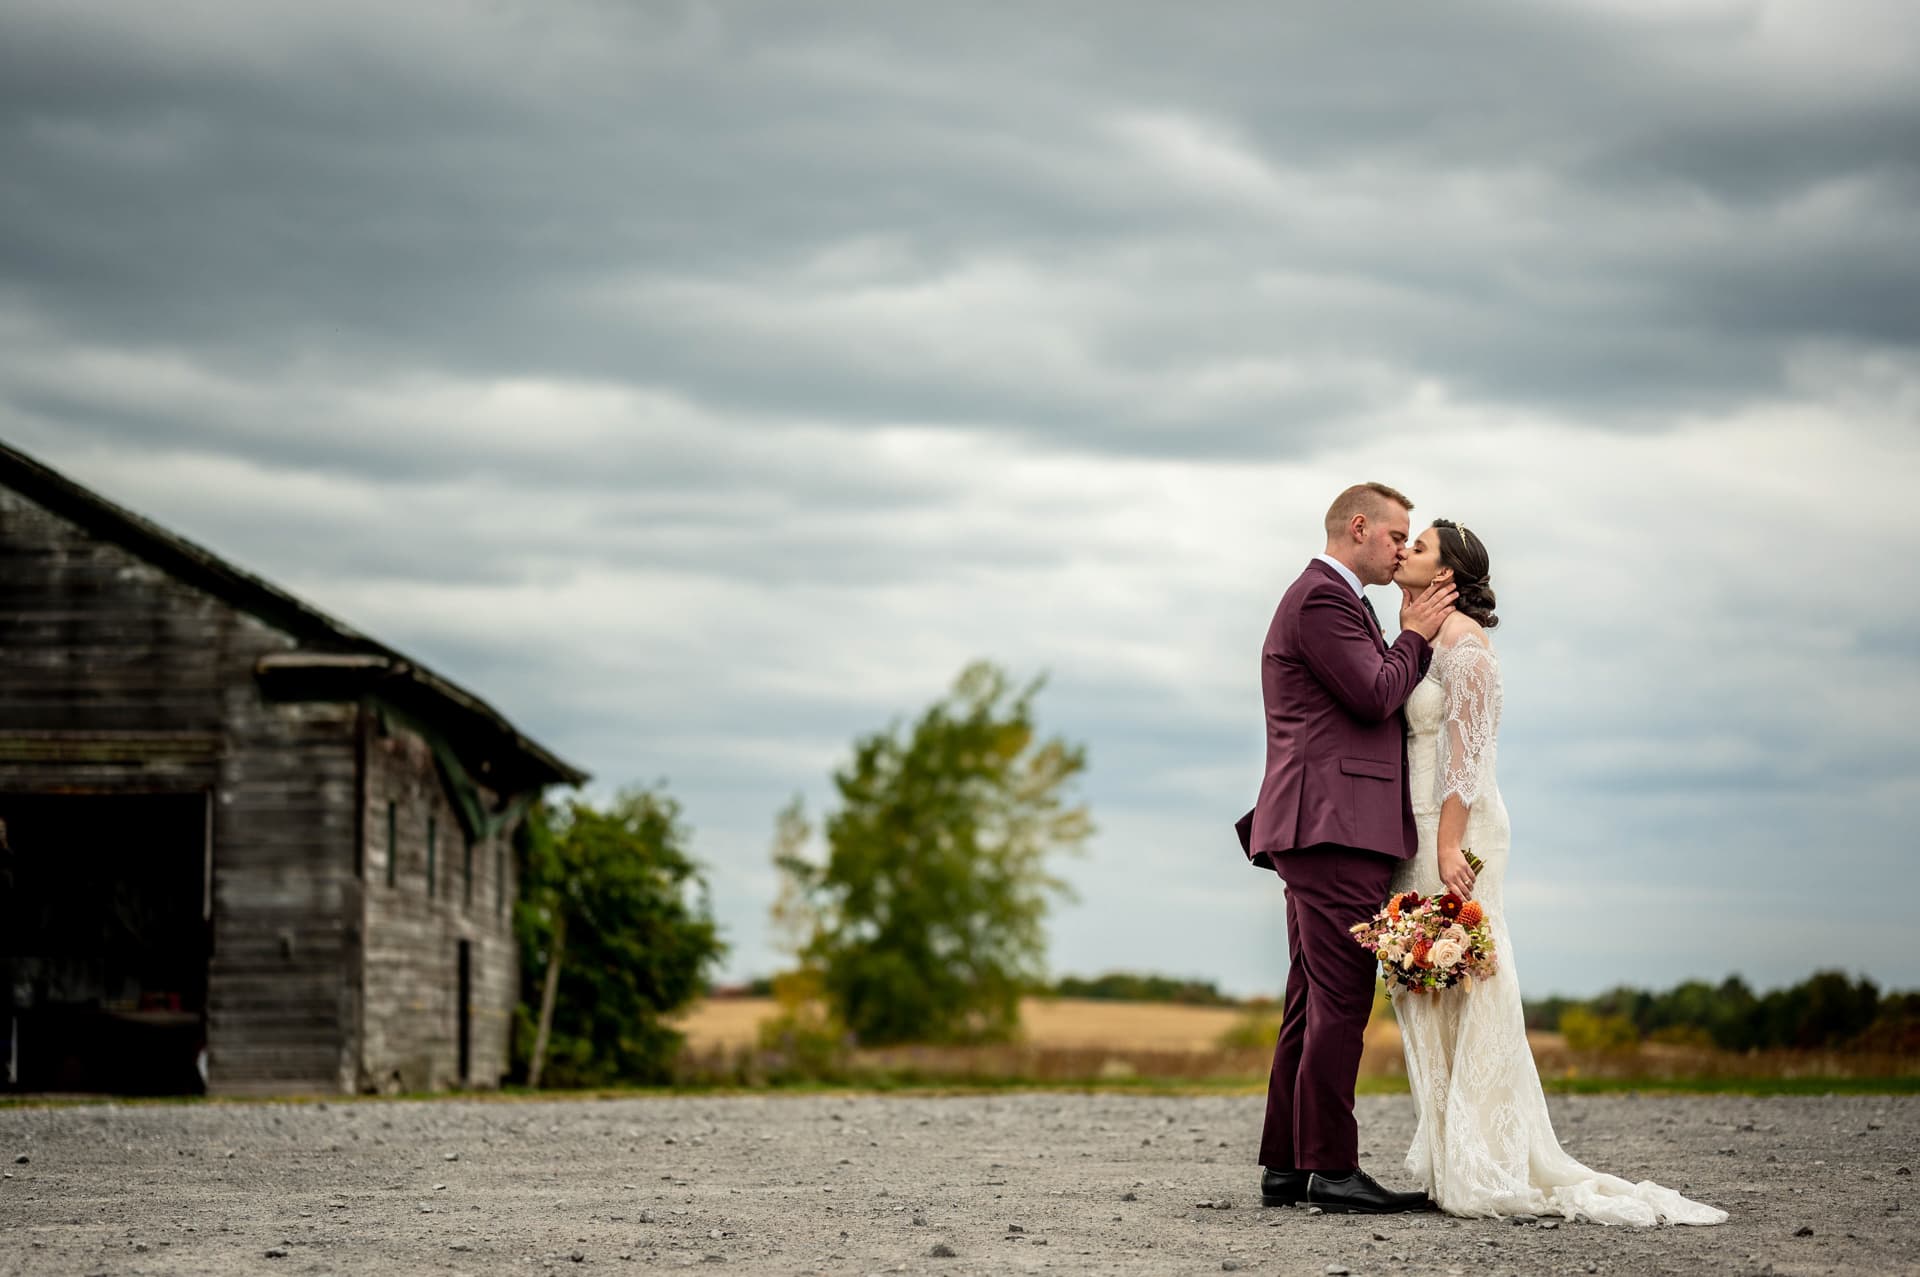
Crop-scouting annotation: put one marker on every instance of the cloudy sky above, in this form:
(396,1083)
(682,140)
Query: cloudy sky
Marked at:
(706,383)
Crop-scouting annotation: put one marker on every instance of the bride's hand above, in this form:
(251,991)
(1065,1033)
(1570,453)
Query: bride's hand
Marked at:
(1456,873)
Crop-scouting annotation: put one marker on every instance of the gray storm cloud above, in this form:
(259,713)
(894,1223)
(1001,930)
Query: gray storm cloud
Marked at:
(706,383)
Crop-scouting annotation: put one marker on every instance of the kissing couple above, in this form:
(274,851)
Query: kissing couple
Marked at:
(1380,778)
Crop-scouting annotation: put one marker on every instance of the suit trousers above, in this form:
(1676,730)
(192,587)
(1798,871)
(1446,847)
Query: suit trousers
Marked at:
(1330,984)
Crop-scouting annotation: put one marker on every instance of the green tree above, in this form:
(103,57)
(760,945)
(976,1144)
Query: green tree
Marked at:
(1896,1029)
(1835,1009)
(1589,1030)
(615,933)
(1631,1005)
(1732,1020)
(1684,1015)
(1545,1013)
(925,921)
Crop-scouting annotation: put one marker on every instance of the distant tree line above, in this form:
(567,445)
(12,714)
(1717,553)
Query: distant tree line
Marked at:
(1128,986)
(1826,1010)
(1114,986)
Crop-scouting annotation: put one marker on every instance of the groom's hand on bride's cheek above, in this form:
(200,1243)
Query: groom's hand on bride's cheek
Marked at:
(1423,615)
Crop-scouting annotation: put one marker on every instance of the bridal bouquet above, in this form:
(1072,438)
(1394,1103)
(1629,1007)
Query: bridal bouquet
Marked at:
(1426,943)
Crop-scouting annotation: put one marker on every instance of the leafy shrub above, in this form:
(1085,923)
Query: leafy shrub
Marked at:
(1588,1030)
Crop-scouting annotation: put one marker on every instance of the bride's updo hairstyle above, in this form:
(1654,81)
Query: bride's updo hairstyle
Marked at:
(1462,551)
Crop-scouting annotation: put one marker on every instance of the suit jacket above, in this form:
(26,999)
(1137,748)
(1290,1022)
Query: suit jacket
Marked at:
(1336,736)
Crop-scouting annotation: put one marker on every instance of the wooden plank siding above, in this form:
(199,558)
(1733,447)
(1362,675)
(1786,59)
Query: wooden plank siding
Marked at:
(104,658)
(280,1010)
(410,1014)
(134,663)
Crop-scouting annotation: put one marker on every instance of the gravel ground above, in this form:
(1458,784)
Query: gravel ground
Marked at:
(864,1184)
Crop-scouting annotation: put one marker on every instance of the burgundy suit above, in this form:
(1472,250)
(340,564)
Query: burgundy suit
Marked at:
(1334,814)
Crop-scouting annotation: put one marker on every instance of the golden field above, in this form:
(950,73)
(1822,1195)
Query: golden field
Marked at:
(1062,1040)
(1071,1023)
(1069,1041)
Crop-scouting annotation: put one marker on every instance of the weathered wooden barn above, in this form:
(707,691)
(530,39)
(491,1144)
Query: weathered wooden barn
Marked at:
(243,848)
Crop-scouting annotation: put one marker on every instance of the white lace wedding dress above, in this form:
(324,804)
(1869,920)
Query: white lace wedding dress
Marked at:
(1484,1144)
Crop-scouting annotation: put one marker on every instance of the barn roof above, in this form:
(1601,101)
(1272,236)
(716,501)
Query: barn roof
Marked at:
(337,658)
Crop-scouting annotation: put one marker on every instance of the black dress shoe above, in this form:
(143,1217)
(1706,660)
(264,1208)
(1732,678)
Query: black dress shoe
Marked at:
(1356,1194)
(1283,1188)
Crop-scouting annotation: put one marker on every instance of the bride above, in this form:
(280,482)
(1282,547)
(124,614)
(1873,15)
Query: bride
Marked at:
(1484,1144)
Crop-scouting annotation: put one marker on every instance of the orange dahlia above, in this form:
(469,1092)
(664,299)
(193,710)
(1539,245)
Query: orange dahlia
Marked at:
(1470,914)
(1393,905)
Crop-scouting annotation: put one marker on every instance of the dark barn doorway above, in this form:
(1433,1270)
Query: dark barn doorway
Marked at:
(104,941)
(464,1024)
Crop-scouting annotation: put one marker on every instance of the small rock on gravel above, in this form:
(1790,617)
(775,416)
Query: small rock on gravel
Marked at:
(1229,1265)
(1337,1270)
(942,1251)
(22,1160)
(276,1253)
(578,1257)
(1315,1210)
(1524,1219)
(1134,1197)
(1805,1230)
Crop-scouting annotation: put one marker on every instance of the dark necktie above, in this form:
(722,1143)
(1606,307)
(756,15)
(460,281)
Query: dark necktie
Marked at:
(1368,604)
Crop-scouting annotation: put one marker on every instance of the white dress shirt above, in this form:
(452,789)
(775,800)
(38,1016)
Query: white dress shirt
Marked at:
(1346,574)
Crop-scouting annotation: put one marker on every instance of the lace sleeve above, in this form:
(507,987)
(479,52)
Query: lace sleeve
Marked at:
(1470,677)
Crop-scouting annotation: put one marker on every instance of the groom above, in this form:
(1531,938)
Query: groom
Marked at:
(1333,817)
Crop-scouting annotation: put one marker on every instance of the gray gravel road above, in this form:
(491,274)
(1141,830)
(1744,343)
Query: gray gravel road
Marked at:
(866,1184)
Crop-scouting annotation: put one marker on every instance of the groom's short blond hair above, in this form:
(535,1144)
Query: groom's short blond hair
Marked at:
(1369,499)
